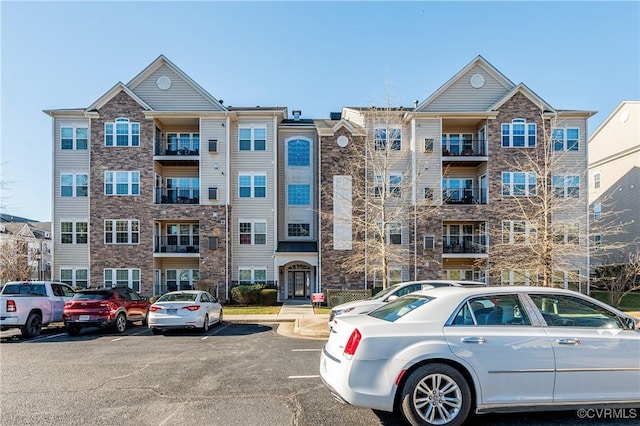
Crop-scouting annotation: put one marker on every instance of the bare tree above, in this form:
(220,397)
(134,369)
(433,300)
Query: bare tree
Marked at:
(382,202)
(619,280)
(13,261)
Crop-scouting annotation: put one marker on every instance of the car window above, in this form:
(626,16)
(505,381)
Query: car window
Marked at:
(134,296)
(178,297)
(559,310)
(503,309)
(56,290)
(408,289)
(67,291)
(399,307)
(204,298)
(383,293)
(124,293)
(96,295)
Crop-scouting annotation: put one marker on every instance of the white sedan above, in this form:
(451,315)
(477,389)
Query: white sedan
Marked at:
(184,309)
(437,354)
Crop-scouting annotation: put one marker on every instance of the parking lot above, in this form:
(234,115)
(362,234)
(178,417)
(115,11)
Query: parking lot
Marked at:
(235,374)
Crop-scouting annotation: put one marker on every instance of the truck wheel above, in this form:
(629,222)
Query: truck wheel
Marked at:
(33,325)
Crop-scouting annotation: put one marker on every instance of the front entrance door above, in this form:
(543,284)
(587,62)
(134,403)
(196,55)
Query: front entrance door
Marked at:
(299,284)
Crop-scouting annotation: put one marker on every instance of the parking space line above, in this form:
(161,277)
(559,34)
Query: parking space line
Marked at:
(217,330)
(46,337)
(312,376)
(306,350)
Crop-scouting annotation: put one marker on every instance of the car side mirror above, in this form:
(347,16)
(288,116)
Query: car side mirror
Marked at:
(392,298)
(632,323)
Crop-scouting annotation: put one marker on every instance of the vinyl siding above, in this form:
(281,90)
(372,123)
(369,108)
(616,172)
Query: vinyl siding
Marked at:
(461,96)
(428,165)
(181,96)
(213,164)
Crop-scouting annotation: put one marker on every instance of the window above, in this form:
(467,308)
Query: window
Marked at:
(122,133)
(182,279)
(597,210)
(122,278)
(428,193)
(184,143)
(395,184)
(183,237)
(252,276)
(74,185)
(73,232)
(213,145)
(518,134)
(428,242)
(596,180)
(457,144)
(566,233)
(252,139)
(519,184)
(121,183)
(378,186)
(597,241)
(565,139)
(298,153)
(298,230)
(519,277)
(75,277)
(299,195)
(121,231)
(74,138)
(566,186)
(183,190)
(518,232)
(252,186)
(394,233)
(570,311)
(387,137)
(253,233)
(428,145)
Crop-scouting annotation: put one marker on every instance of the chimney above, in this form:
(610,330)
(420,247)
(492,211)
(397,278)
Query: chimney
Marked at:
(296,114)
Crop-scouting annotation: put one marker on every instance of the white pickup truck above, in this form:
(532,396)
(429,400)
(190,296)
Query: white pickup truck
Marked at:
(31,305)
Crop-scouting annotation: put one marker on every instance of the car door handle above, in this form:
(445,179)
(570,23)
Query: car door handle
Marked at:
(477,340)
(569,341)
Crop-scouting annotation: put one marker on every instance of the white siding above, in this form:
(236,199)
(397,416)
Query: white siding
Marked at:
(428,164)
(213,164)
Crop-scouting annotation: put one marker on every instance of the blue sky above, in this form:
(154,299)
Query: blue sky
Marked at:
(313,56)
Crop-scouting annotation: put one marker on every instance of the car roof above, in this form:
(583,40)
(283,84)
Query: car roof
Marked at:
(467,291)
(426,282)
(184,291)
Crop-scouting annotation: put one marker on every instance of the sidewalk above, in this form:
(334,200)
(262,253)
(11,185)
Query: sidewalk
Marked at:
(296,318)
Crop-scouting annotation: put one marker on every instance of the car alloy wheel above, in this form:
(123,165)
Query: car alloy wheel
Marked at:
(120,323)
(436,394)
(33,326)
(205,324)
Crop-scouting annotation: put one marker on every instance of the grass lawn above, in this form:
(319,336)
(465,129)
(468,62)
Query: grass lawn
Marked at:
(251,310)
(321,310)
(631,302)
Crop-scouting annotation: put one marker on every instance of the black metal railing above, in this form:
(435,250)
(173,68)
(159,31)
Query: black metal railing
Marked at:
(465,148)
(464,196)
(180,146)
(464,244)
(180,195)
(177,244)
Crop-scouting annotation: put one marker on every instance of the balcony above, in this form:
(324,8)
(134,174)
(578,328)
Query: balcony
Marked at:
(458,244)
(179,195)
(180,151)
(464,196)
(177,244)
(464,151)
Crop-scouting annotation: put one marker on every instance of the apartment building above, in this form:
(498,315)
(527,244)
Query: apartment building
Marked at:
(614,190)
(159,186)
(26,249)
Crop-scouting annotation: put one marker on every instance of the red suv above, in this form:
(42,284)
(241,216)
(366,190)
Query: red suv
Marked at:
(104,307)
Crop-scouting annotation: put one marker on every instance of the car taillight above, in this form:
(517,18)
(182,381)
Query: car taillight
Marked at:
(11,305)
(191,307)
(68,304)
(154,308)
(352,344)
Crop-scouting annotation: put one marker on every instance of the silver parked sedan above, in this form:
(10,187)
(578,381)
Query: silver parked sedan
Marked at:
(437,354)
(184,309)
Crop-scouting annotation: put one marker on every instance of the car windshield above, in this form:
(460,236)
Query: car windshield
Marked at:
(32,289)
(94,295)
(399,307)
(178,297)
(385,292)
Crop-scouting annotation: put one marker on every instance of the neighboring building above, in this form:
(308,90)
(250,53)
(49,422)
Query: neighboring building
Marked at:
(614,189)
(158,185)
(26,249)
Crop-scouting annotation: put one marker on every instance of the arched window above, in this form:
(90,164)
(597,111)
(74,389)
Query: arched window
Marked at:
(298,153)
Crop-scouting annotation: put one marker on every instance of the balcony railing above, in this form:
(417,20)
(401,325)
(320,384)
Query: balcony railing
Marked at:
(465,148)
(180,195)
(464,196)
(464,244)
(177,244)
(181,146)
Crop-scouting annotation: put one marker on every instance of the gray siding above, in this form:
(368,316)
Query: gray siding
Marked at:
(461,96)
(213,164)
(428,164)
(181,96)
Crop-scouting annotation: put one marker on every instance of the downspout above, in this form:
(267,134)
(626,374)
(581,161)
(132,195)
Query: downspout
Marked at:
(319,216)
(226,205)
(276,269)
(586,179)
(414,197)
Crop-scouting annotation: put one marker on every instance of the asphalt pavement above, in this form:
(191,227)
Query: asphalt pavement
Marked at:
(296,318)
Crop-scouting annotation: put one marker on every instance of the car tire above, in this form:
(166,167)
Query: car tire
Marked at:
(145,320)
(205,324)
(32,326)
(120,323)
(220,318)
(73,329)
(436,394)
(156,330)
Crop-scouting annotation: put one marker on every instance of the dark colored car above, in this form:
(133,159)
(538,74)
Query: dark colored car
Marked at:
(104,307)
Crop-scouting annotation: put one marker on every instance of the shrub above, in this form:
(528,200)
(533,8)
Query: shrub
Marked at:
(268,296)
(246,294)
(153,299)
